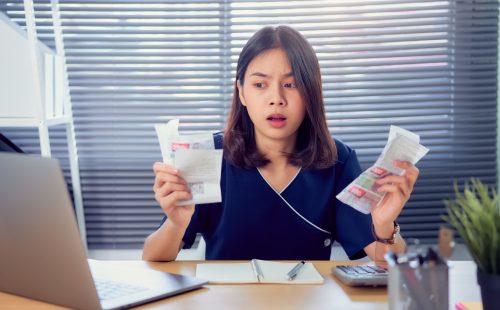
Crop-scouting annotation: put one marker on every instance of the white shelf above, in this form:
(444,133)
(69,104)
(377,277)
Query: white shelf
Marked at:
(34,90)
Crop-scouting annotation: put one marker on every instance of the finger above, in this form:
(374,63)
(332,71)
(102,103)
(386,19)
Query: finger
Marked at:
(167,177)
(392,179)
(168,188)
(157,184)
(390,188)
(382,264)
(162,178)
(402,164)
(161,167)
(169,202)
(411,170)
(403,187)
(410,177)
(405,183)
(413,174)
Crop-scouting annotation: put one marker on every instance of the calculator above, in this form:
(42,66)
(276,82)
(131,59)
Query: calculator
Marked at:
(361,275)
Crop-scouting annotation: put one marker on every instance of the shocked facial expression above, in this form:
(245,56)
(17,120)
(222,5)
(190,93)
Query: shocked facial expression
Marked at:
(272,98)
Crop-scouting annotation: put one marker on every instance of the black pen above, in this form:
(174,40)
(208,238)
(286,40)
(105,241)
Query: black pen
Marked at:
(295,270)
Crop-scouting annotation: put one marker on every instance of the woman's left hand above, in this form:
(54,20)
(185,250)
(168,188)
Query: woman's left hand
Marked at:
(398,190)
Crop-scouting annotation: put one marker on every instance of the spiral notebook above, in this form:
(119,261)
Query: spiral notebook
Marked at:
(271,272)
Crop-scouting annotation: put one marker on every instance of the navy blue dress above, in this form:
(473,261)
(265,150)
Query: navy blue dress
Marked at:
(301,222)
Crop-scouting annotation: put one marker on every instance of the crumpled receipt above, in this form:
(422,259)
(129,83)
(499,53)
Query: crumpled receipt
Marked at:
(361,194)
(196,158)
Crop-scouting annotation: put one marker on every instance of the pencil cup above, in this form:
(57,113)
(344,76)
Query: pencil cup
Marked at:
(422,287)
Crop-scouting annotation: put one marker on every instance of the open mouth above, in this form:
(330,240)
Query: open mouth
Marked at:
(277,120)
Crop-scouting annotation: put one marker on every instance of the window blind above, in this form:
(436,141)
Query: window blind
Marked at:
(427,66)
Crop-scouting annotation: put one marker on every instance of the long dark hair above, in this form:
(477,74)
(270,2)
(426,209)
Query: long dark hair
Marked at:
(314,147)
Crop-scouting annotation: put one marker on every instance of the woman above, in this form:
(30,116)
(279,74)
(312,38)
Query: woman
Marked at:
(280,173)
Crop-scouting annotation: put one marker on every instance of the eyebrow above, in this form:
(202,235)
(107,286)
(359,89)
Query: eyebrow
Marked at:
(266,75)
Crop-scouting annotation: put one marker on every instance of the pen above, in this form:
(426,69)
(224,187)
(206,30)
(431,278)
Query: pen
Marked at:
(257,270)
(295,270)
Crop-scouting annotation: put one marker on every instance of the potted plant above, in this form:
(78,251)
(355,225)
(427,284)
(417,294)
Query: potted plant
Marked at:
(475,214)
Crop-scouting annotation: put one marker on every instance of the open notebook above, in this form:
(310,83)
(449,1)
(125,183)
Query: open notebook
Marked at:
(272,272)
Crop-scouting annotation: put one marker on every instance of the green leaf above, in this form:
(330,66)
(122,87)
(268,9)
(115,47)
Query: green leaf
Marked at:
(475,214)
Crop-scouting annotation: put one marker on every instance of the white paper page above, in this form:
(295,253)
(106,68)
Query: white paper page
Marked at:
(165,132)
(201,169)
(196,158)
(226,273)
(276,272)
(403,145)
(395,130)
(197,165)
(403,149)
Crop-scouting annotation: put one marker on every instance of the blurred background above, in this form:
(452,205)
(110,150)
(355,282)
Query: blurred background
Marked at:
(427,66)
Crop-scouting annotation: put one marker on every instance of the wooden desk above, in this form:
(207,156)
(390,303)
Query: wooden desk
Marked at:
(331,295)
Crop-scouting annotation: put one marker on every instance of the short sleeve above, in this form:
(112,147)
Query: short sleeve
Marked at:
(353,229)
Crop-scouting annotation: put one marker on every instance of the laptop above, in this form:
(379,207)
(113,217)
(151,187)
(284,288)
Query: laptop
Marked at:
(42,254)
(362,275)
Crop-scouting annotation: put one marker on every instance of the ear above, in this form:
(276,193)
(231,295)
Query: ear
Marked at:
(240,93)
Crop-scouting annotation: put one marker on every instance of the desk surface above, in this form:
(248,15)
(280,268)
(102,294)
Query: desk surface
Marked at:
(332,294)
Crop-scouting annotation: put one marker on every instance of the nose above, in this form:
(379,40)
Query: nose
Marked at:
(276,96)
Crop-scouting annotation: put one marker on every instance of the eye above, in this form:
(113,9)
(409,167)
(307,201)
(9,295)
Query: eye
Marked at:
(290,85)
(259,85)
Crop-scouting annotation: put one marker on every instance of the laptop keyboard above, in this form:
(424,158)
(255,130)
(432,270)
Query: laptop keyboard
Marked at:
(363,270)
(107,289)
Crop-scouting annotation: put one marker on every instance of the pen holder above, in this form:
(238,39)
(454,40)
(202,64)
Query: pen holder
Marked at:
(421,287)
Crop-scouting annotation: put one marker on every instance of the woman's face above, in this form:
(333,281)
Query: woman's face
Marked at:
(271,97)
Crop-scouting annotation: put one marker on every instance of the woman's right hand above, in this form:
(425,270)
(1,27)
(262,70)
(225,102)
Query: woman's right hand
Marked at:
(169,188)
